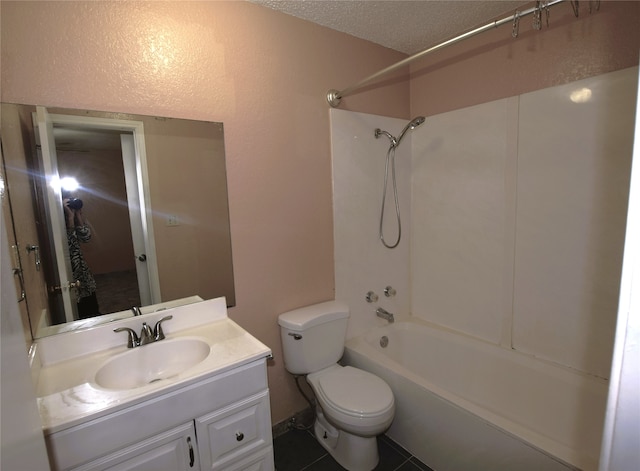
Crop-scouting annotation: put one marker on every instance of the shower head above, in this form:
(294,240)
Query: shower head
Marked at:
(395,142)
(414,123)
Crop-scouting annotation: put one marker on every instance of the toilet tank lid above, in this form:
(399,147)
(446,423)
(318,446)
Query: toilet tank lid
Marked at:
(316,314)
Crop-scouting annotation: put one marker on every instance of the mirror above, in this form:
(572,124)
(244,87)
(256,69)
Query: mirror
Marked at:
(153,192)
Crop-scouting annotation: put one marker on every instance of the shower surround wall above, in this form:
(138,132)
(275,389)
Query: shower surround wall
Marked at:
(362,263)
(513,216)
(516,215)
(518,219)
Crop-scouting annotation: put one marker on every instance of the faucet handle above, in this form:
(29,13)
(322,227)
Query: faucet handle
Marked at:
(133,340)
(158,334)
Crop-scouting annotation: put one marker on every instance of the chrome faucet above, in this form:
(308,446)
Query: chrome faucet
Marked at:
(136,311)
(385,315)
(146,335)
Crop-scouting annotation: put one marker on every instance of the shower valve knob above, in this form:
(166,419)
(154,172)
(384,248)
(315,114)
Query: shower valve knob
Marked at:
(371,297)
(389,292)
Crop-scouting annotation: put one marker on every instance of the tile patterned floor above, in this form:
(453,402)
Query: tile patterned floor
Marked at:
(298,450)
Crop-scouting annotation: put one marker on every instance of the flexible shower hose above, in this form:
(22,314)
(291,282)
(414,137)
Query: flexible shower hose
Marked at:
(391,157)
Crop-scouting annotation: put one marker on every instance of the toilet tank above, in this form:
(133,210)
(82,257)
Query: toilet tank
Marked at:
(313,336)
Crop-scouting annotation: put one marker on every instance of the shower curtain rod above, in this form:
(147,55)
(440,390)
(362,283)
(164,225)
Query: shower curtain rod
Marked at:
(334,96)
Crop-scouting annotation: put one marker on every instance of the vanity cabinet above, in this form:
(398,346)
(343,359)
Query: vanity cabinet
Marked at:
(219,423)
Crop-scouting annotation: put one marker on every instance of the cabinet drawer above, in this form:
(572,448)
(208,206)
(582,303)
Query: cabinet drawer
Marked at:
(236,430)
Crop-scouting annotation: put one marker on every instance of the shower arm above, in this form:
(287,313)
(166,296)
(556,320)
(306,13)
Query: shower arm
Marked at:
(334,96)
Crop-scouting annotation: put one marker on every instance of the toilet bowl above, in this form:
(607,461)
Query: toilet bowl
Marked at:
(353,406)
(353,400)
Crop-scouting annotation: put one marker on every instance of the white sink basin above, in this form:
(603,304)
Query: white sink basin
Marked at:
(150,363)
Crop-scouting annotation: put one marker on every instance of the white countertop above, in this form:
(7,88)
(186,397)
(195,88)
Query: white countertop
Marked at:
(67,363)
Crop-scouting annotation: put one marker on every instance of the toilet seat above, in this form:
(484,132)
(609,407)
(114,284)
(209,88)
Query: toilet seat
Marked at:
(354,392)
(353,399)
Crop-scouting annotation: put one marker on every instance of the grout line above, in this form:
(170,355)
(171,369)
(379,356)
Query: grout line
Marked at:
(403,463)
(314,462)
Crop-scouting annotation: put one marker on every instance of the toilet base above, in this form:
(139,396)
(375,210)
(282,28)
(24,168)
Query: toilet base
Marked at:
(352,452)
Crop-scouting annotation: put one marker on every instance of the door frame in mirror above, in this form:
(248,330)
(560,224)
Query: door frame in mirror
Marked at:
(136,129)
(63,302)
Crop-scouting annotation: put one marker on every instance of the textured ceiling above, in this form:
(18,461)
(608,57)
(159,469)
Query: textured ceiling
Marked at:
(407,26)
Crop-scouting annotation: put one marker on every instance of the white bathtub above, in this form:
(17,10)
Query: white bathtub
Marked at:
(463,404)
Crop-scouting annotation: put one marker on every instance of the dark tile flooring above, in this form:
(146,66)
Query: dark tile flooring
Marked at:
(298,450)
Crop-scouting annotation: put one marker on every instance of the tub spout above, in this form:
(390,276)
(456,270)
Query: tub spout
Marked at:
(385,314)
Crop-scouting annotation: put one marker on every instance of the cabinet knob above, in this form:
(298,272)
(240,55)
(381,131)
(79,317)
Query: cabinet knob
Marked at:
(239,436)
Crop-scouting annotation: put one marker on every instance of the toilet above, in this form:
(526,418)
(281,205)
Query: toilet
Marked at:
(353,406)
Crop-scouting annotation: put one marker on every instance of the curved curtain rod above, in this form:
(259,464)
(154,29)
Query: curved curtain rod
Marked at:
(334,96)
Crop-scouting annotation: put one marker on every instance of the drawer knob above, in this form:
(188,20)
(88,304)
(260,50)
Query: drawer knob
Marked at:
(239,436)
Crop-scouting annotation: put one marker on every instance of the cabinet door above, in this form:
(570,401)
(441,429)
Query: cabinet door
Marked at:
(172,450)
(230,434)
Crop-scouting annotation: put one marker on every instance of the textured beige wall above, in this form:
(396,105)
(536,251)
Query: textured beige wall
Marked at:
(494,65)
(263,74)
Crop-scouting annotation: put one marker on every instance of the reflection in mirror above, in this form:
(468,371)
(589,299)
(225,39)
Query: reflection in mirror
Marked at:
(153,193)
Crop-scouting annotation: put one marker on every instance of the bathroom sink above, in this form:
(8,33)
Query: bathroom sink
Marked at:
(147,364)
